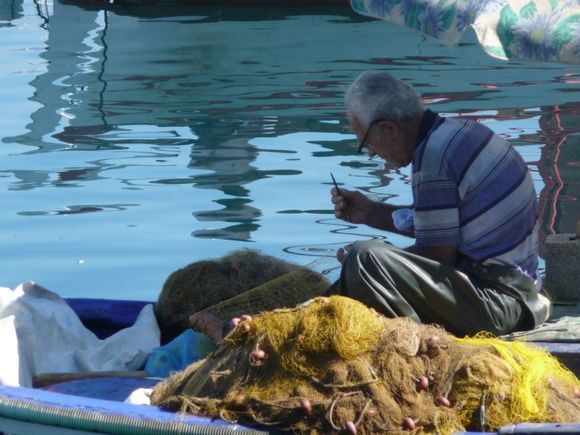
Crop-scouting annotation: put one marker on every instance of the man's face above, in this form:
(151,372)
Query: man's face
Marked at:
(380,140)
(364,134)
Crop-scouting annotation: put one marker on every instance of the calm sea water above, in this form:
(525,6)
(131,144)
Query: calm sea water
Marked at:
(134,141)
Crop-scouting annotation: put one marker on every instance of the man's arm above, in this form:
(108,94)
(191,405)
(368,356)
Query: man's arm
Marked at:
(380,216)
(362,210)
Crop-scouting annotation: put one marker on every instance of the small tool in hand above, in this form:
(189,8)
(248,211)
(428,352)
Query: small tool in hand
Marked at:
(346,213)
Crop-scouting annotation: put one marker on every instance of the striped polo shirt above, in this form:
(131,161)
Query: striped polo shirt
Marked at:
(473,189)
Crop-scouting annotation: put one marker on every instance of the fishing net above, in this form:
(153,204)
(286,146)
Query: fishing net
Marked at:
(333,365)
(206,283)
(287,290)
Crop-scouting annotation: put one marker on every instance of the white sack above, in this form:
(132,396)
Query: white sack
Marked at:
(40,333)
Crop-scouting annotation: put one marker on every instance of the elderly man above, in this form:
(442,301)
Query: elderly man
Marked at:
(473,264)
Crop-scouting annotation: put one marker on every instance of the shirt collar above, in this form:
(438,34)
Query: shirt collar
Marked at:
(427,122)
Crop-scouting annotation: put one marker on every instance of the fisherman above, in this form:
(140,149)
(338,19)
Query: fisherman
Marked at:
(473,264)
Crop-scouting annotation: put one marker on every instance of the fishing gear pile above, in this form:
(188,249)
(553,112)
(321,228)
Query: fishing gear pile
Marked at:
(205,283)
(333,365)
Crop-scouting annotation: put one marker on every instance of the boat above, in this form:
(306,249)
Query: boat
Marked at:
(95,404)
(119,4)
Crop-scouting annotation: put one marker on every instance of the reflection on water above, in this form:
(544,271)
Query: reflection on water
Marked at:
(138,139)
(231,170)
(11,11)
(559,165)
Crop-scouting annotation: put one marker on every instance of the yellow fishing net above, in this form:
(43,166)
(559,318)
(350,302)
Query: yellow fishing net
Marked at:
(534,381)
(333,365)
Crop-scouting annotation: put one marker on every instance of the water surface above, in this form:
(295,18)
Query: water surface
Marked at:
(137,140)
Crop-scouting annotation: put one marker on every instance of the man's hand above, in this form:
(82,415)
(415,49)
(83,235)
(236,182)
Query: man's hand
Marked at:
(341,253)
(352,204)
(362,210)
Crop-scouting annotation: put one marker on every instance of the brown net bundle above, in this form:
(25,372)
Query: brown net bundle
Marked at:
(333,365)
(205,283)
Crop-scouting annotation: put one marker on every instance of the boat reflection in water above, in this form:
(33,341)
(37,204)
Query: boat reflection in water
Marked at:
(157,126)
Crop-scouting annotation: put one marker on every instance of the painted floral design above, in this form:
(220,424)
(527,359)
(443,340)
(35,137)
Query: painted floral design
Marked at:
(472,8)
(381,7)
(543,30)
(436,19)
(533,35)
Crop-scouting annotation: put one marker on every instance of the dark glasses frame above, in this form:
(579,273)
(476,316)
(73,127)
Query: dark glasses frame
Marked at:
(363,148)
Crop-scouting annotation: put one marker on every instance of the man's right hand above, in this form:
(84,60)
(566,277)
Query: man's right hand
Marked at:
(350,204)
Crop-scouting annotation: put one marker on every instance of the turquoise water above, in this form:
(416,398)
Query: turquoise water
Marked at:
(137,140)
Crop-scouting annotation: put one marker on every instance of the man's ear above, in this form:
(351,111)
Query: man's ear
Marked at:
(389,129)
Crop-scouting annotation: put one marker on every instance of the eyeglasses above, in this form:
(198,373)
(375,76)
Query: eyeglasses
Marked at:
(363,148)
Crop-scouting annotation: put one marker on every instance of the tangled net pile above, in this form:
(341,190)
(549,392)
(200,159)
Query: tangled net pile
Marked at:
(333,365)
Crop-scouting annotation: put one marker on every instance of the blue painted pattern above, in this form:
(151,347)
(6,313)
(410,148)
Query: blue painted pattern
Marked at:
(540,30)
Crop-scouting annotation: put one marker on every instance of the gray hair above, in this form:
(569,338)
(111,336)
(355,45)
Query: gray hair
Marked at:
(377,94)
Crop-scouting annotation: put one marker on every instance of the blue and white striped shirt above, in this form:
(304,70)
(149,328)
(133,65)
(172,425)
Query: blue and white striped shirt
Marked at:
(473,189)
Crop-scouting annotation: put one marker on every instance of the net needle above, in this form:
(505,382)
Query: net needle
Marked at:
(346,213)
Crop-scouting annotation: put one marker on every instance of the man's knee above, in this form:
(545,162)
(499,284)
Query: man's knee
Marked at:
(371,276)
(371,261)
(361,252)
